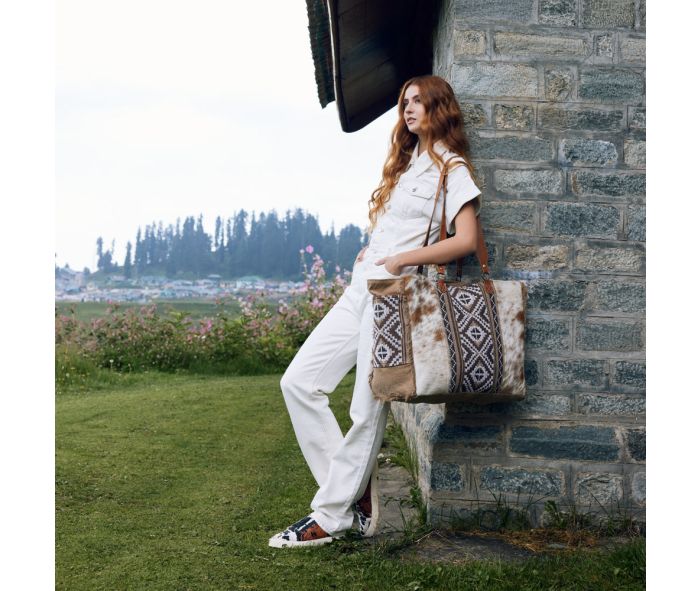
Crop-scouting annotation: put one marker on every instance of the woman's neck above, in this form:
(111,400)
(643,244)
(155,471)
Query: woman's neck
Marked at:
(422,144)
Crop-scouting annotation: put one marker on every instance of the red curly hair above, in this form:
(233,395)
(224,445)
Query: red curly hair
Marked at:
(443,120)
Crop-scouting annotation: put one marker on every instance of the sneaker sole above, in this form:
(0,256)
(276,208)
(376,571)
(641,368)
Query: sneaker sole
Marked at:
(281,543)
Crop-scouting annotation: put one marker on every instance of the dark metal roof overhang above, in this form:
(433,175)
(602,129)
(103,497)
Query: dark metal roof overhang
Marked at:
(364,50)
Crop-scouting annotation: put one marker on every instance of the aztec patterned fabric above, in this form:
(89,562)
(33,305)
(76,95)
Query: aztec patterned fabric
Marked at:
(473,338)
(388,335)
(463,344)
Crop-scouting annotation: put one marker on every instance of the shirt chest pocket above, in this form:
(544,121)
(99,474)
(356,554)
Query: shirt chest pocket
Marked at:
(416,198)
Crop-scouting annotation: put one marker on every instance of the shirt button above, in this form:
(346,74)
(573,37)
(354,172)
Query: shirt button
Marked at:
(414,189)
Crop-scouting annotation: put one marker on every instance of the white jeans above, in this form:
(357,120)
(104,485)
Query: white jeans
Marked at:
(341,465)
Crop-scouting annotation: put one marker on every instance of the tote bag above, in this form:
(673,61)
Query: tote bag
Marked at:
(438,340)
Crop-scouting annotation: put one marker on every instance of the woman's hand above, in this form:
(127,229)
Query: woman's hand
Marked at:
(360,255)
(391,263)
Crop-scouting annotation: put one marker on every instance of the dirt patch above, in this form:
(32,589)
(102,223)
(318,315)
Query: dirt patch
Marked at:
(440,546)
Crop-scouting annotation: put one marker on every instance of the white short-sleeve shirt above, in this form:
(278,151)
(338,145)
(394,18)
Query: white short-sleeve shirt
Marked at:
(403,224)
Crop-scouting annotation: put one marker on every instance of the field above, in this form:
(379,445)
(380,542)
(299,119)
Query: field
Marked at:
(177,482)
(194,308)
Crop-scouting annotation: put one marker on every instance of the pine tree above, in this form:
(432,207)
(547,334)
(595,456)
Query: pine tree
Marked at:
(139,254)
(127,261)
(349,244)
(100,254)
(238,245)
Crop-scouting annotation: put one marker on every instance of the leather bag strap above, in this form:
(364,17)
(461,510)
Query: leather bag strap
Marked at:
(481,251)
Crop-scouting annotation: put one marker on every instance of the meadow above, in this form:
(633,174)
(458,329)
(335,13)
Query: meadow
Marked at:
(177,482)
(89,311)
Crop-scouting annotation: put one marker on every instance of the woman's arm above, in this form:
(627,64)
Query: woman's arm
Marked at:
(459,245)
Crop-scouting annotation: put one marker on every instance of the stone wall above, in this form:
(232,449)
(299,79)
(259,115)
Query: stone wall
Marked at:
(553,93)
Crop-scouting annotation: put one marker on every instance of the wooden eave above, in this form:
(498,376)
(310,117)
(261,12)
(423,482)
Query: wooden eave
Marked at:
(363,51)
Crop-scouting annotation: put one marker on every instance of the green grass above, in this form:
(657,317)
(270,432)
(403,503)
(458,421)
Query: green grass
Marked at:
(177,482)
(86,311)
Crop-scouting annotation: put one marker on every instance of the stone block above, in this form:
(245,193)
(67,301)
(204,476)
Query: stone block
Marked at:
(581,219)
(522,481)
(471,438)
(587,152)
(619,296)
(636,444)
(613,85)
(509,216)
(633,49)
(611,404)
(610,259)
(572,442)
(608,184)
(642,15)
(598,489)
(474,115)
(542,404)
(630,373)
(638,487)
(502,147)
(575,372)
(516,182)
(519,11)
(599,334)
(637,223)
(446,476)
(635,153)
(604,45)
(637,117)
(529,44)
(548,334)
(555,117)
(607,14)
(532,374)
(561,13)
(469,43)
(514,117)
(558,84)
(537,257)
(495,80)
(555,295)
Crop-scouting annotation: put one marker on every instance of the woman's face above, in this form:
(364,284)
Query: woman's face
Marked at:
(414,111)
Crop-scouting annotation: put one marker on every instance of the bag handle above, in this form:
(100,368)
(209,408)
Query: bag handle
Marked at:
(481,250)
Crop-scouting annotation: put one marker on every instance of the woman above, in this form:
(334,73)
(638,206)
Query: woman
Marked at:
(430,130)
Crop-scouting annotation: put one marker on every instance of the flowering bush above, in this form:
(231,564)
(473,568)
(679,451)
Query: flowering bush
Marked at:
(263,337)
(311,302)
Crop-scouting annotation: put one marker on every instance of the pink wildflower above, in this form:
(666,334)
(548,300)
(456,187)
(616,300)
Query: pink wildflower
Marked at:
(309,249)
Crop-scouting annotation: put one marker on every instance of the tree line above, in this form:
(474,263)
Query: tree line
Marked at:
(244,244)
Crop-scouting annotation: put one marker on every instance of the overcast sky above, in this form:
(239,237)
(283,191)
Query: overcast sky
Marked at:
(175,108)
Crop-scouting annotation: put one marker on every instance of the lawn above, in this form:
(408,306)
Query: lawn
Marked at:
(86,311)
(177,482)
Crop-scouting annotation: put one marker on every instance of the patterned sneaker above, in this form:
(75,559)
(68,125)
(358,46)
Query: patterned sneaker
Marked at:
(367,506)
(305,532)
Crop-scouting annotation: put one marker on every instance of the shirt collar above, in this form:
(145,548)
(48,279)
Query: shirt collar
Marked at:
(420,164)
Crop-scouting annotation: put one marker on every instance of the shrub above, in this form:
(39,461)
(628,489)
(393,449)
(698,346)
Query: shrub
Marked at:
(264,337)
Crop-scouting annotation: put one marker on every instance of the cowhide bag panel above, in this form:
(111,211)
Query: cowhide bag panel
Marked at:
(463,344)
